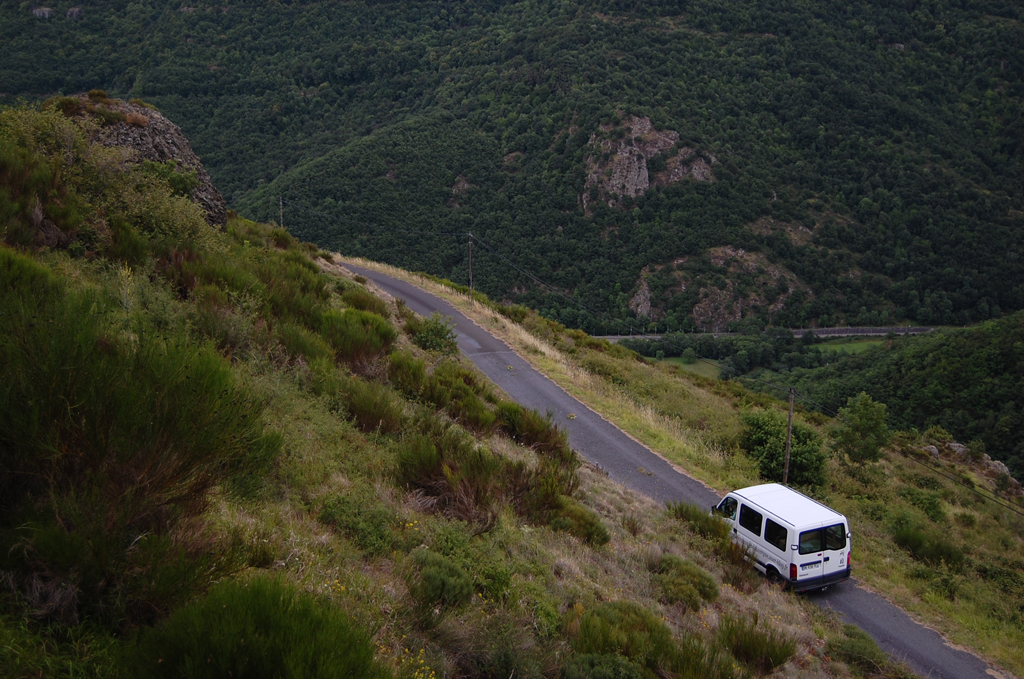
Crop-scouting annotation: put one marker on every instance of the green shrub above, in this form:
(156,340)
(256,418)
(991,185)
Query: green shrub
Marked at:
(626,629)
(109,438)
(531,429)
(759,650)
(465,480)
(362,299)
(407,374)
(374,406)
(928,502)
(764,439)
(436,334)
(357,337)
(861,431)
(580,521)
(125,243)
(700,521)
(437,582)
(683,581)
(363,520)
(299,342)
(251,629)
(929,547)
(857,649)
(182,182)
(591,666)
(457,389)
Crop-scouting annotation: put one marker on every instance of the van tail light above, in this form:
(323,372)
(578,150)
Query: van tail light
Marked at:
(849,559)
(792,571)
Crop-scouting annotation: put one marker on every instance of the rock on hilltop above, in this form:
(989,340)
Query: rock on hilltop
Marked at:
(153,137)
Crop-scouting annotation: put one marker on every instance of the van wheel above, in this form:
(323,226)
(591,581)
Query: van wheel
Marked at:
(773,577)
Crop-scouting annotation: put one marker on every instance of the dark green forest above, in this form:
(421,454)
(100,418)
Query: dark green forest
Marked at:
(864,157)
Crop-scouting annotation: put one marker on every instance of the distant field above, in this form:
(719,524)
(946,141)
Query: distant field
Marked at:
(702,367)
(851,345)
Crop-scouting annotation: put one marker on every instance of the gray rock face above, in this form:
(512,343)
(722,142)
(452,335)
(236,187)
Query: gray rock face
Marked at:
(618,166)
(153,137)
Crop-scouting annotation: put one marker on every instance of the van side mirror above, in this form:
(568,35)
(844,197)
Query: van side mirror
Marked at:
(849,535)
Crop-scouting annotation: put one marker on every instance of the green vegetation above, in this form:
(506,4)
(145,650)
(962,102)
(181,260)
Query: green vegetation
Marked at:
(861,431)
(256,628)
(215,445)
(965,381)
(762,651)
(764,439)
(865,157)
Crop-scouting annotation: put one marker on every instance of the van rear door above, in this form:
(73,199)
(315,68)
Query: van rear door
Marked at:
(822,556)
(834,557)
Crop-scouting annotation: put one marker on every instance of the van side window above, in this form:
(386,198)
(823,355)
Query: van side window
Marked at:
(810,541)
(776,535)
(728,508)
(835,537)
(750,520)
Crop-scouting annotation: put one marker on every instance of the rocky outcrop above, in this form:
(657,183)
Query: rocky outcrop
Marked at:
(620,162)
(153,137)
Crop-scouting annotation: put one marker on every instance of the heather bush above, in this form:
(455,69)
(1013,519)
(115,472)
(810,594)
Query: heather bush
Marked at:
(407,374)
(682,581)
(857,649)
(575,519)
(760,650)
(462,479)
(626,629)
(700,520)
(594,666)
(436,584)
(254,629)
(357,337)
(363,520)
(106,438)
(374,406)
(361,298)
(300,342)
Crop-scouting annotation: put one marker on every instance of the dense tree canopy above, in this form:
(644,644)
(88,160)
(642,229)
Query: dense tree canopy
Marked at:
(866,156)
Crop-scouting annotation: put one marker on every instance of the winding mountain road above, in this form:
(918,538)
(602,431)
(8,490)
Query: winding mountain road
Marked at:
(635,466)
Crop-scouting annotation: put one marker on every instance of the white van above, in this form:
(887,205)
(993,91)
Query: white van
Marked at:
(791,537)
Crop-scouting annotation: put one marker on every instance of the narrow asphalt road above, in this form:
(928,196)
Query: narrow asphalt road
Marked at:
(635,466)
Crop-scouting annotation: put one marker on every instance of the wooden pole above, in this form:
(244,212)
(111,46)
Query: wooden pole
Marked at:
(789,436)
(280,207)
(470,267)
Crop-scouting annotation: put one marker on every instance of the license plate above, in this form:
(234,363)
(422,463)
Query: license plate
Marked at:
(810,566)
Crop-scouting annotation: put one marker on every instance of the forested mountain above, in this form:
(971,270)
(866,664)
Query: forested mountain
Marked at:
(690,163)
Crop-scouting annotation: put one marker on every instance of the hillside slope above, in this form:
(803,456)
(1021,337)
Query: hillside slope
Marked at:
(789,162)
(209,437)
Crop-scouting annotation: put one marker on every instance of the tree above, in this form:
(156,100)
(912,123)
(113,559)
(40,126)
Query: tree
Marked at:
(862,431)
(764,439)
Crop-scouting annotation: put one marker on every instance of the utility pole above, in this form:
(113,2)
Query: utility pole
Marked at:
(470,267)
(789,436)
(280,207)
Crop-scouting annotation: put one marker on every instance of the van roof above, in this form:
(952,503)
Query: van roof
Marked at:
(791,506)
